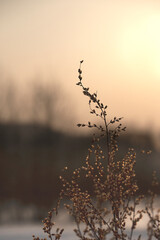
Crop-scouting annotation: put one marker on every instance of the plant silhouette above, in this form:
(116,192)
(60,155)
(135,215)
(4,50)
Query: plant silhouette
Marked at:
(106,211)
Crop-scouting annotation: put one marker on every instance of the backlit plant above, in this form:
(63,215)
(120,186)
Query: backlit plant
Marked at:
(109,209)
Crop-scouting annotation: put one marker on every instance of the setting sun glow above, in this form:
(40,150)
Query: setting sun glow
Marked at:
(140,44)
(118,40)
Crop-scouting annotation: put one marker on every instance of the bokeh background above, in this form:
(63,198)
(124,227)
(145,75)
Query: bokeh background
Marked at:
(41,44)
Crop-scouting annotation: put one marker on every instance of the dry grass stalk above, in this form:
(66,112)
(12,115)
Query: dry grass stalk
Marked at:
(104,212)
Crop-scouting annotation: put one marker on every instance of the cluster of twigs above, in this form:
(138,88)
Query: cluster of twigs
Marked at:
(106,211)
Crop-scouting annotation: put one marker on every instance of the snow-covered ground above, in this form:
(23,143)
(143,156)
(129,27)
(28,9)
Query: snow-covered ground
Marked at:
(23,231)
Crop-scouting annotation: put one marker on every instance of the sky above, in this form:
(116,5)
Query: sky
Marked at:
(118,40)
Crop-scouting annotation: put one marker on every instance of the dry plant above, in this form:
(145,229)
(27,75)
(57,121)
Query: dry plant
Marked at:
(105,211)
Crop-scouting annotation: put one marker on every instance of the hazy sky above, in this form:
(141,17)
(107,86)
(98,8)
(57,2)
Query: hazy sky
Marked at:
(119,41)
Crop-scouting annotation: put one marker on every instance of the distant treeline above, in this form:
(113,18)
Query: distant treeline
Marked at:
(32,156)
(38,102)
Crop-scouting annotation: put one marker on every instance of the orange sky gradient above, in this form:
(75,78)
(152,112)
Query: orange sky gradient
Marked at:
(119,41)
